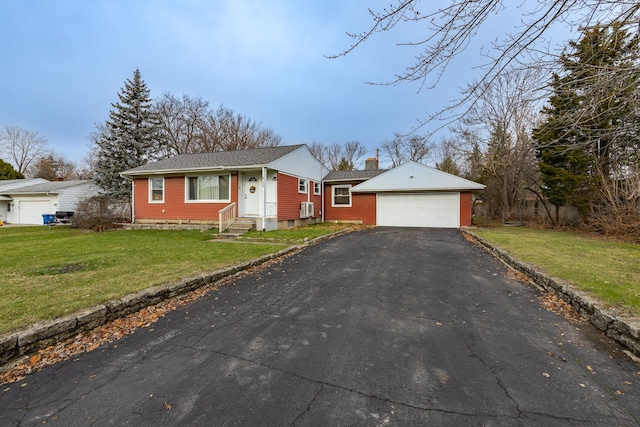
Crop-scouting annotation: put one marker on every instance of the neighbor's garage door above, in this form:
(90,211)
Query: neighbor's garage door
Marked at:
(440,210)
(31,211)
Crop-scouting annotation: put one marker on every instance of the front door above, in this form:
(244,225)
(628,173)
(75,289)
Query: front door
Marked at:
(252,184)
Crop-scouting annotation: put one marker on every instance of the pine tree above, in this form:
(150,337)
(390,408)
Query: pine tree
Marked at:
(8,172)
(591,123)
(127,140)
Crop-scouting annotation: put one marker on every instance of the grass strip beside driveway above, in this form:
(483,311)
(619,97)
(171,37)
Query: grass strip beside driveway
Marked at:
(49,272)
(610,271)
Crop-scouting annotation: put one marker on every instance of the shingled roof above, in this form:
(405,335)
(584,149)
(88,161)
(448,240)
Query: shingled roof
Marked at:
(216,160)
(352,175)
(47,187)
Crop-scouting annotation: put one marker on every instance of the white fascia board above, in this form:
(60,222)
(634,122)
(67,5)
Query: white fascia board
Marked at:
(188,170)
(412,176)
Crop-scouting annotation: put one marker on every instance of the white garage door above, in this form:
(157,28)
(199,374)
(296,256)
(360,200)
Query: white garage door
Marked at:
(440,210)
(31,211)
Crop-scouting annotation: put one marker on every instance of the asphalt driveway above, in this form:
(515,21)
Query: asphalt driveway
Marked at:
(376,327)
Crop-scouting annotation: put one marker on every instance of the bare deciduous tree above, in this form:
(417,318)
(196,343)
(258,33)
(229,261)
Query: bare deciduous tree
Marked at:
(22,147)
(497,131)
(54,166)
(339,156)
(448,29)
(403,148)
(181,122)
(190,126)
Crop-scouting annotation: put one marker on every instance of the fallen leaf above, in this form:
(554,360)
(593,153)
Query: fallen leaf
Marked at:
(582,385)
(34,359)
(546,375)
(167,406)
(590,368)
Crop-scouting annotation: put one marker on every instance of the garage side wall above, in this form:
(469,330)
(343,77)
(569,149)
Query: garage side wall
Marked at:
(362,209)
(465,208)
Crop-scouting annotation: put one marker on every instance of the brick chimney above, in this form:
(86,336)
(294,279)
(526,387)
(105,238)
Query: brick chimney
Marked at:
(371,164)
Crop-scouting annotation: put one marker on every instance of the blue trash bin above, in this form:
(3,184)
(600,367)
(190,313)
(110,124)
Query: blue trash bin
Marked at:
(48,219)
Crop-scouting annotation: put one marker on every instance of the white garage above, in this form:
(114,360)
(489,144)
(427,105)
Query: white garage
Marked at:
(31,211)
(26,203)
(415,195)
(439,210)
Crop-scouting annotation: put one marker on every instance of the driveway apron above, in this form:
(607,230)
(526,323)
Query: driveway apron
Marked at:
(377,327)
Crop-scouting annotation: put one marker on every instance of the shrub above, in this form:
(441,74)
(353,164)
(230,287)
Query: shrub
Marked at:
(101,213)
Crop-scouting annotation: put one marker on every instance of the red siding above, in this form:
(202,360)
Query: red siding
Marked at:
(174,207)
(363,207)
(289,199)
(465,208)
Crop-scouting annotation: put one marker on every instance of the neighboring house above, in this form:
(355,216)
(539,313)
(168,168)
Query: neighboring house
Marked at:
(409,195)
(281,187)
(278,187)
(24,201)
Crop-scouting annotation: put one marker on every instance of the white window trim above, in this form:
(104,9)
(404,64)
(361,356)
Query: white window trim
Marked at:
(316,188)
(306,185)
(151,178)
(333,196)
(186,189)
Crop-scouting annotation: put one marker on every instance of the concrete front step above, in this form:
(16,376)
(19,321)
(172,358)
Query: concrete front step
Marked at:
(238,228)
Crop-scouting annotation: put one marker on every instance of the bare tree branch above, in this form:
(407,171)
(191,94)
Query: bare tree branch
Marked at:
(22,147)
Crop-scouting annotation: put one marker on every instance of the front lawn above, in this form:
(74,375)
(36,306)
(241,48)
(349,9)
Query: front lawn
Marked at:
(608,270)
(295,235)
(46,273)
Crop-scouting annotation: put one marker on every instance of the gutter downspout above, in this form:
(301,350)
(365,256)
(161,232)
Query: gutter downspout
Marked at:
(133,210)
(322,199)
(264,198)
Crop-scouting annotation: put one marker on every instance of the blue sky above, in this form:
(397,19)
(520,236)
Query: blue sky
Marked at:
(64,61)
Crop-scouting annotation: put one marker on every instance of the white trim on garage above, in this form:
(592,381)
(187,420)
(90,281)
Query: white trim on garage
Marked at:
(434,209)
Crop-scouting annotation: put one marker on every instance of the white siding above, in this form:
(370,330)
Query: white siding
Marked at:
(300,163)
(68,197)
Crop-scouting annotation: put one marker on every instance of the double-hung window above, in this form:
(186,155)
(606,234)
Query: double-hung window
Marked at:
(316,188)
(208,188)
(302,185)
(156,190)
(341,195)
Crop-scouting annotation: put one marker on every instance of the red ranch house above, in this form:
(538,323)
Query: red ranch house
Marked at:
(268,185)
(281,187)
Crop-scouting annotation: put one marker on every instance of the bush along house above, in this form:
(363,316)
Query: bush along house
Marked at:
(286,186)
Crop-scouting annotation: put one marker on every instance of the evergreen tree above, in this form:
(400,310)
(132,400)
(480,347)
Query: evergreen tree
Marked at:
(590,133)
(127,140)
(8,172)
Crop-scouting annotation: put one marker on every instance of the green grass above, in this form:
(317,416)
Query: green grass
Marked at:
(46,273)
(608,270)
(295,235)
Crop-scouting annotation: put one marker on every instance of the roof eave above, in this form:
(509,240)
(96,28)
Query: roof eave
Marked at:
(391,190)
(191,170)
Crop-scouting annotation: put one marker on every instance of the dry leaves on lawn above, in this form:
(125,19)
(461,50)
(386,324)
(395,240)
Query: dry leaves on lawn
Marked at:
(111,331)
